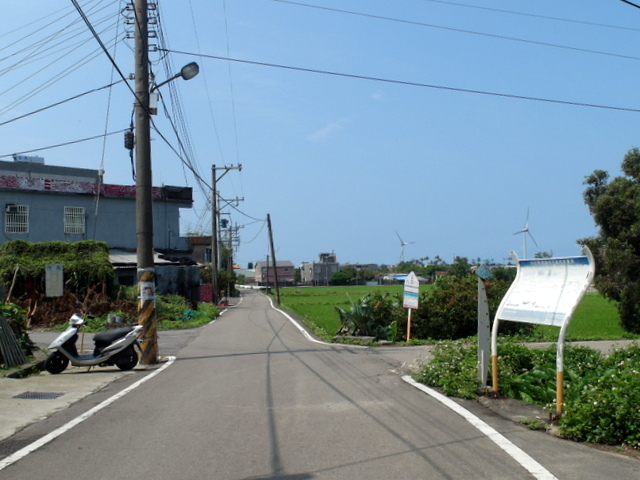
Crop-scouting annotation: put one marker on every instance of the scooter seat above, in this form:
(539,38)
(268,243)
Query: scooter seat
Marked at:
(109,336)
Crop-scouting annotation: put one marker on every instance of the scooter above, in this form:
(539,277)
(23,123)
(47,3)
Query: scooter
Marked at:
(112,347)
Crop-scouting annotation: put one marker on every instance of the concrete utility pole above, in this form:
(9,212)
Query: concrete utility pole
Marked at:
(214,236)
(214,226)
(273,256)
(144,194)
(144,182)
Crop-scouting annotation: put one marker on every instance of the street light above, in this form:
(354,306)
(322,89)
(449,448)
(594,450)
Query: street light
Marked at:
(144,192)
(187,72)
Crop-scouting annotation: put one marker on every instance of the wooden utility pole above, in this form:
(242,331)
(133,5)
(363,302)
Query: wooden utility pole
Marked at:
(273,256)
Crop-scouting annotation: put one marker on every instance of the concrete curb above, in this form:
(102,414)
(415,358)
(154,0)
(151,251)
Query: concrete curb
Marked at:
(29,368)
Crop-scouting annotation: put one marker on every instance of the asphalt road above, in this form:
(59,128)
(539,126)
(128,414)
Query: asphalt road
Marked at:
(250,397)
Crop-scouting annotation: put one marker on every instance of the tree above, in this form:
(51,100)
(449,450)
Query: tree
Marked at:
(460,267)
(340,278)
(615,207)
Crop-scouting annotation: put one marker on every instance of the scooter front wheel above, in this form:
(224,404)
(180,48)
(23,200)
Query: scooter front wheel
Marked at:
(56,363)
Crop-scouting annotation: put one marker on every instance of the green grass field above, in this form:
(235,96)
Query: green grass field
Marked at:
(316,305)
(596,318)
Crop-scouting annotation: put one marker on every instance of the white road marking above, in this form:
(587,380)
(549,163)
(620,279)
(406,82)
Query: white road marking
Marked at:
(300,327)
(32,447)
(533,467)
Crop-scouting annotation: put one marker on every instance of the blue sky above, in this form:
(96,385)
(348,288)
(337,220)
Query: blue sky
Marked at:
(391,138)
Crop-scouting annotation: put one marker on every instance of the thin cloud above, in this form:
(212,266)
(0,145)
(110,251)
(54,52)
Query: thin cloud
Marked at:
(328,130)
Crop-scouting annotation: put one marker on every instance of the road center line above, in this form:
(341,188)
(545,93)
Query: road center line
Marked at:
(533,467)
(32,447)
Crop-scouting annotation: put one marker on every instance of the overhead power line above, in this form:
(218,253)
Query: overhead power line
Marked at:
(630,3)
(103,47)
(59,103)
(63,144)
(544,17)
(460,30)
(412,84)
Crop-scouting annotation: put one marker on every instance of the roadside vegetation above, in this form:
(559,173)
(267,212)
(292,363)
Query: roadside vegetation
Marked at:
(602,393)
(89,291)
(596,318)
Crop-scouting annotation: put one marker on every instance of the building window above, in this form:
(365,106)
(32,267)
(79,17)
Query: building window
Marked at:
(74,220)
(16,219)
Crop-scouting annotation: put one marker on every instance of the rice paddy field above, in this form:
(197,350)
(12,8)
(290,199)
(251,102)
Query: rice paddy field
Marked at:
(596,318)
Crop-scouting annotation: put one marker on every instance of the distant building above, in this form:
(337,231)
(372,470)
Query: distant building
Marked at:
(364,266)
(201,249)
(320,272)
(265,274)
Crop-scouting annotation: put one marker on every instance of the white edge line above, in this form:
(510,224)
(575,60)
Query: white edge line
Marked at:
(23,452)
(524,459)
(299,327)
(304,331)
(533,467)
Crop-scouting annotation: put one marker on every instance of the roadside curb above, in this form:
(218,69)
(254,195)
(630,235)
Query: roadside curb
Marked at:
(29,368)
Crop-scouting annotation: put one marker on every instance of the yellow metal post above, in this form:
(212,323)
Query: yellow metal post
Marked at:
(559,391)
(494,372)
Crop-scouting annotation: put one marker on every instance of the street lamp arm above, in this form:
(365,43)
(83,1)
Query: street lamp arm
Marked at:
(187,72)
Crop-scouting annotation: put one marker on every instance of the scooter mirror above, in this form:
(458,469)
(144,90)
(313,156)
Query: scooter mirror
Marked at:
(76,320)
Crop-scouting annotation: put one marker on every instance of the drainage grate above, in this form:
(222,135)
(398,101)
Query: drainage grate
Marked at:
(39,395)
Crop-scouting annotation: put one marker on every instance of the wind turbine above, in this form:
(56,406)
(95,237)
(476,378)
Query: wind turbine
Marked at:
(402,245)
(525,231)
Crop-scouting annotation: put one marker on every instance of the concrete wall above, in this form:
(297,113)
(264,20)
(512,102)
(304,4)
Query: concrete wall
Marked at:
(114,223)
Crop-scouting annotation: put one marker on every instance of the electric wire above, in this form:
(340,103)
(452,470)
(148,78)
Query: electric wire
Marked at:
(233,103)
(51,45)
(23,27)
(411,84)
(61,102)
(545,17)
(51,81)
(47,48)
(104,49)
(73,142)
(179,124)
(206,84)
(64,29)
(460,30)
(630,3)
(104,140)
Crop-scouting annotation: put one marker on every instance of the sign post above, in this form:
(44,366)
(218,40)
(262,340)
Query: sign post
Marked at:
(410,298)
(54,280)
(484,326)
(546,291)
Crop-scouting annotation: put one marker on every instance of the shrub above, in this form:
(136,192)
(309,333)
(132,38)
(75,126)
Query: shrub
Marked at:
(453,369)
(23,264)
(605,409)
(375,314)
(602,394)
(449,310)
